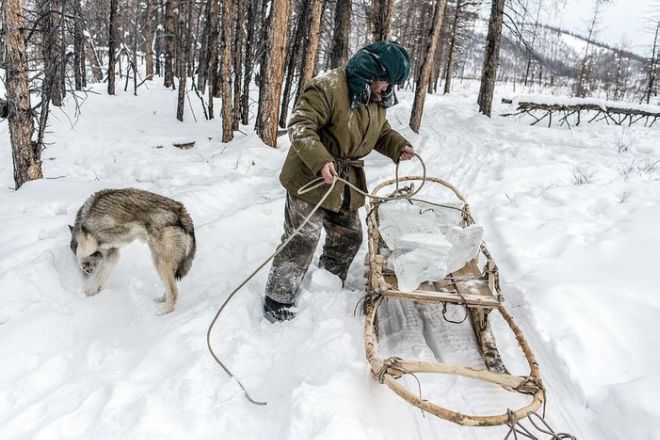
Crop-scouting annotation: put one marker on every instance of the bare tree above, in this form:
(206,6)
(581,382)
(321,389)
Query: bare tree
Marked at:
(340,38)
(237,50)
(51,14)
(425,72)
(585,70)
(78,50)
(622,72)
(169,43)
(310,51)
(293,56)
(249,57)
(653,66)
(149,33)
(381,19)
(452,45)
(491,57)
(112,36)
(93,59)
(227,117)
(26,154)
(208,69)
(185,30)
(271,84)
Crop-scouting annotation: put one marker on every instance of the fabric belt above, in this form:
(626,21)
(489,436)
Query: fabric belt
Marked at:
(344,164)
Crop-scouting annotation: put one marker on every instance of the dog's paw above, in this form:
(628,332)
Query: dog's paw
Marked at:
(93,289)
(160,299)
(167,308)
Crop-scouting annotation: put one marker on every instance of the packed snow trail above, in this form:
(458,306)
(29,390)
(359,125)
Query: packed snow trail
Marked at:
(576,266)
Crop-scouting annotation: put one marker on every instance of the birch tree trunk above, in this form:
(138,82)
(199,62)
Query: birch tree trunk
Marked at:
(272,83)
(491,57)
(425,71)
(26,155)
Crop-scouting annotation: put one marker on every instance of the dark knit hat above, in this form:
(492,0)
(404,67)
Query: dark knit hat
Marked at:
(380,61)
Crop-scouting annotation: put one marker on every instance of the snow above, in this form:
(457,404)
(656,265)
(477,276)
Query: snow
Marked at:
(577,266)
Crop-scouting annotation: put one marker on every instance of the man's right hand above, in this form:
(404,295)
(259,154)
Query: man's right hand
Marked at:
(329,173)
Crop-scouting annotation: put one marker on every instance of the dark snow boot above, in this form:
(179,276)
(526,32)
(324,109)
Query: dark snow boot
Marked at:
(275,311)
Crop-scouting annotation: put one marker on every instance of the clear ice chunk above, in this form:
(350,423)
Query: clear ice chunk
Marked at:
(414,267)
(465,243)
(400,217)
(425,241)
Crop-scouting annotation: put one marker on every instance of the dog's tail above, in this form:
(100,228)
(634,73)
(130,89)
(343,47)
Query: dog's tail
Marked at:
(186,223)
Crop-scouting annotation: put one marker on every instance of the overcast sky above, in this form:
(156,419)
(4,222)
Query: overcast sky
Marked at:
(619,18)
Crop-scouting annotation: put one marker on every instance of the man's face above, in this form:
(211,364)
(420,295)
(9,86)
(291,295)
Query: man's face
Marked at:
(377,88)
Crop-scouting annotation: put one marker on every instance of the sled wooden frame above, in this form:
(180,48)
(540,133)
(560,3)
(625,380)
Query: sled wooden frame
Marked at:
(454,289)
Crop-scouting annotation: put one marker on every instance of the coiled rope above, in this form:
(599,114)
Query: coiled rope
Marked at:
(314,184)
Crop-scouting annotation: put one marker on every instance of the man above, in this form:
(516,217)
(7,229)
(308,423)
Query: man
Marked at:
(338,119)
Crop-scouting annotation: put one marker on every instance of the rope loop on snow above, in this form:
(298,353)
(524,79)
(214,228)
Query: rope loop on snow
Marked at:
(312,185)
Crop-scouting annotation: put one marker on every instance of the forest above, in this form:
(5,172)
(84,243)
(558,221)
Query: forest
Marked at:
(227,49)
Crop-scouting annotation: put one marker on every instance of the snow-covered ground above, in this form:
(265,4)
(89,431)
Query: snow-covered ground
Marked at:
(570,216)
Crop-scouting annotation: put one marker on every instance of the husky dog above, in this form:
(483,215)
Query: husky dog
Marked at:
(115,217)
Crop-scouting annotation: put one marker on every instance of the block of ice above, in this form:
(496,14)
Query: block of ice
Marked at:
(435,242)
(465,244)
(425,241)
(414,267)
(400,217)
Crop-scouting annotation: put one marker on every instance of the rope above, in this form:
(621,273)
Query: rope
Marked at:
(312,185)
(369,296)
(393,366)
(465,305)
(538,423)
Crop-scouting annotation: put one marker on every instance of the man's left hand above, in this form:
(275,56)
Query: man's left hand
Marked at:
(407,153)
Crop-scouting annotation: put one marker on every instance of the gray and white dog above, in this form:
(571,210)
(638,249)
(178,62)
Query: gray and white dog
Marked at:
(112,218)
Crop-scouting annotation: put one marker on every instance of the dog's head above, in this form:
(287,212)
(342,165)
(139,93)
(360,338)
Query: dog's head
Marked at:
(85,248)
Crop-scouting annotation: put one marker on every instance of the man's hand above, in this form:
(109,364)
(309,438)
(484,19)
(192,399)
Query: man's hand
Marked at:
(407,153)
(328,172)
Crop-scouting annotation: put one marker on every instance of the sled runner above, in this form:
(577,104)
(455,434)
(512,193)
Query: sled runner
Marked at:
(476,287)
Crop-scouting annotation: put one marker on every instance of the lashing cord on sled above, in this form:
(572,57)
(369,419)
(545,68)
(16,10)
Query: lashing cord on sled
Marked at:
(538,423)
(399,193)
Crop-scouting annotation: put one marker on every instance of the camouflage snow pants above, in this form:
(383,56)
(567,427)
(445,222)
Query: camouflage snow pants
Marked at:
(343,238)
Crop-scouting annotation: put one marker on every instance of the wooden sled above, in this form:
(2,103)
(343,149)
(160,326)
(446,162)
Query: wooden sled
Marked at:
(479,291)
